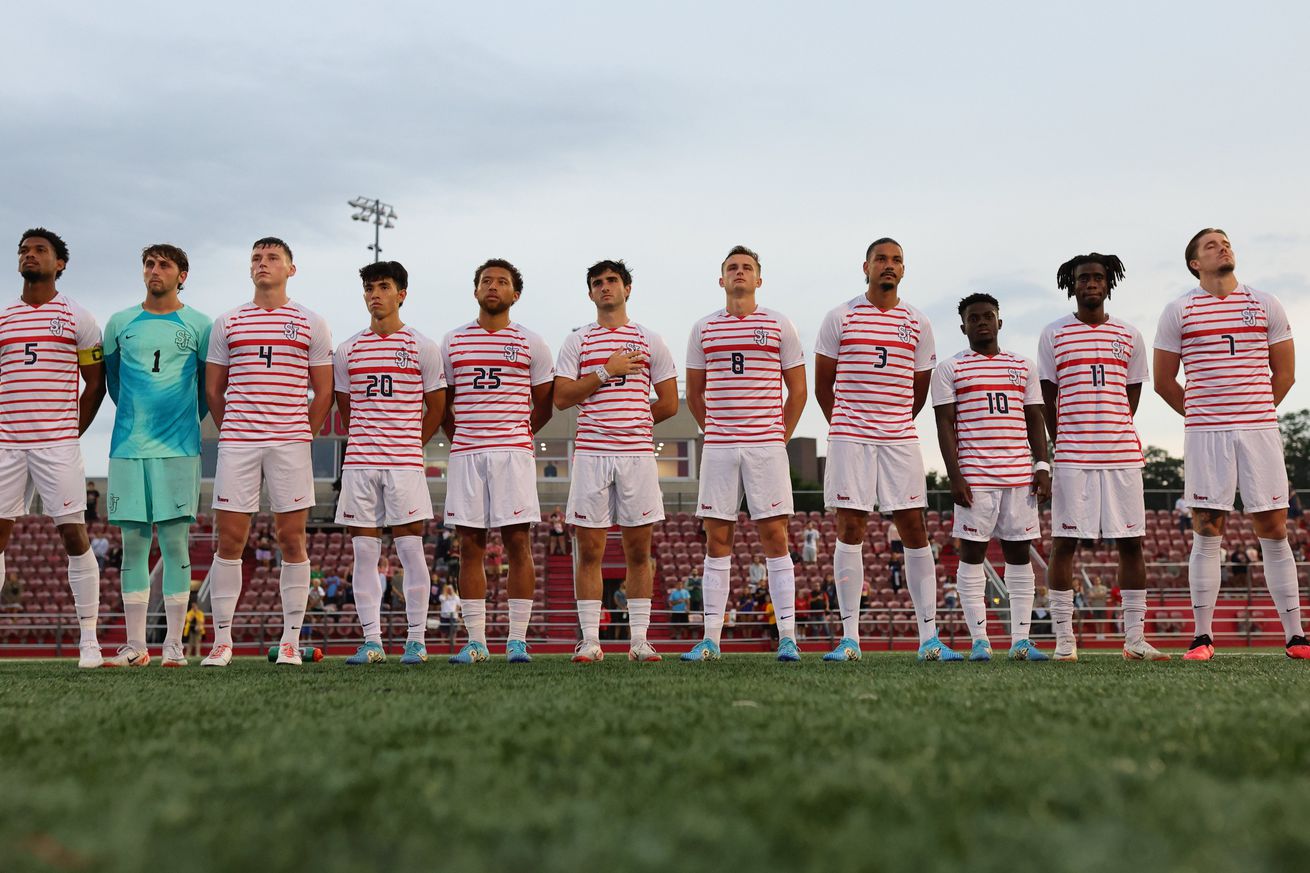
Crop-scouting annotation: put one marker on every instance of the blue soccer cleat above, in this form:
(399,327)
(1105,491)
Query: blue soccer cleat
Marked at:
(369,653)
(472,653)
(787,650)
(516,652)
(415,653)
(1024,650)
(981,651)
(847,650)
(705,650)
(935,650)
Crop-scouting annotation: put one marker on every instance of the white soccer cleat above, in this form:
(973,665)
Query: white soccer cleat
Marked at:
(173,656)
(644,652)
(129,656)
(1143,651)
(1065,650)
(89,657)
(219,656)
(588,652)
(289,653)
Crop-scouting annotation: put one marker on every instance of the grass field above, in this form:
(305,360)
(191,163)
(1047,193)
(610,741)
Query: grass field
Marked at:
(746,764)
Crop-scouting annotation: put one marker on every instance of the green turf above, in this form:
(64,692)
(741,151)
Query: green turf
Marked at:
(742,765)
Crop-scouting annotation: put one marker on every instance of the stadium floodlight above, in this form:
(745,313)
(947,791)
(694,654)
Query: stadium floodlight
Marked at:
(379,214)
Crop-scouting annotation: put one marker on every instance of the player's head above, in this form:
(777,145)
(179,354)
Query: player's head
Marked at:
(980,319)
(386,285)
(609,284)
(42,255)
(164,268)
(497,285)
(740,271)
(1210,252)
(884,264)
(1090,278)
(271,262)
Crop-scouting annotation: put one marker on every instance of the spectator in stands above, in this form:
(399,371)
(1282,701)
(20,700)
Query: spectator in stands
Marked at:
(100,548)
(332,591)
(92,504)
(495,553)
(449,601)
(115,559)
(193,627)
(11,596)
(950,595)
(316,596)
(896,571)
(264,551)
(810,543)
(550,471)
(1238,567)
(1041,622)
(679,608)
(1079,593)
(559,535)
(805,617)
(758,571)
(866,596)
(1184,515)
(620,616)
(770,618)
(1098,597)
(1293,505)
(696,589)
(316,573)
(894,539)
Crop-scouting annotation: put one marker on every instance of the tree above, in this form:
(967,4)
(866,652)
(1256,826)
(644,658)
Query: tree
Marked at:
(1296,446)
(1163,472)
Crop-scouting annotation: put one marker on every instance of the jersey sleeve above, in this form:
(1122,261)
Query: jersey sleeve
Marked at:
(320,343)
(943,384)
(1046,369)
(1032,389)
(341,369)
(829,340)
(790,352)
(569,363)
(543,367)
(662,367)
(1169,330)
(90,341)
(431,366)
(1280,329)
(1138,369)
(447,366)
(218,352)
(695,348)
(925,353)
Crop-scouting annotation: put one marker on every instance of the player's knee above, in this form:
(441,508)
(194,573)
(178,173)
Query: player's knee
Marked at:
(1063,548)
(76,542)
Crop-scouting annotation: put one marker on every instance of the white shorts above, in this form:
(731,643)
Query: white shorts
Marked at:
(383,497)
(1218,464)
(284,469)
(763,471)
(605,488)
(491,489)
(864,476)
(1008,513)
(56,472)
(1089,504)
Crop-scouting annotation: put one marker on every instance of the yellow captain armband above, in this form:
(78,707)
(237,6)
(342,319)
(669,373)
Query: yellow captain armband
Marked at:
(93,355)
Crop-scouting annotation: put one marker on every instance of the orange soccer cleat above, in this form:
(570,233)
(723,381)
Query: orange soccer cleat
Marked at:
(1298,647)
(1201,649)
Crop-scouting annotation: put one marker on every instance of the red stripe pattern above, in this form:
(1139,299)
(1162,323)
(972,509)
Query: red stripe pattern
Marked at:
(39,370)
(492,373)
(991,431)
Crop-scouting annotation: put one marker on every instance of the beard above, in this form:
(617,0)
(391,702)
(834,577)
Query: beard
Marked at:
(884,285)
(495,308)
(32,275)
(1226,269)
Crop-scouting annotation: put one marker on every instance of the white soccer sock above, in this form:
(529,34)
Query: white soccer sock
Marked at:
(135,604)
(84,580)
(418,585)
(1280,577)
(367,586)
(921,579)
(1203,581)
(1021,581)
(782,591)
(714,592)
(1061,614)
(971,585)
(589,620)
(2,571)
(520,613)
(294,584)
(848,567)
(638,618)
(174,615)
(1134,615)
(224,591)
(475,620)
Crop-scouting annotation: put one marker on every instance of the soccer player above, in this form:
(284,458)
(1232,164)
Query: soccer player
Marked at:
(264,358)
(1092,367)
(993,439)
(499,381)
(46,341)
(739,358)
(391,394)
(608,369)
(872,364)
(155,366)
(1235,346)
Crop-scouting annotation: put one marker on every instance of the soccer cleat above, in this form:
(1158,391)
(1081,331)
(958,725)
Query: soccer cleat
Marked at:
(1298,647)
(644,652)
(89,657)
(1065,650)
(129,656)
(788,650)
(1201,649)
(472,653)
(980,651)
(174,656)
(289,653)
(587,652)
(935,650)
(415,653)
(516,652)
(705,650)
(219,656)
(369,653)
(1024,650)
(1143,651)
(847,649)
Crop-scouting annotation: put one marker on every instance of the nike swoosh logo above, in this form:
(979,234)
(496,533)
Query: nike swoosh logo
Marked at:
(412,511)
(298,499)
(1030,527)
(979,622)
(68,503)
(776,503)
(180,505)
(186,566)
(844,617)
(914,496)
(647,512)
(128,336)
(518,512)
(1293,609)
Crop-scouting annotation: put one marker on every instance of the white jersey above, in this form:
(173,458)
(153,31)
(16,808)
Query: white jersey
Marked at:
(386,378)
(268,353)
(41,348)
(743,359)
(878,352)
(1092,366)
(991,431)
(1224,344)
(615,418)
(492,374)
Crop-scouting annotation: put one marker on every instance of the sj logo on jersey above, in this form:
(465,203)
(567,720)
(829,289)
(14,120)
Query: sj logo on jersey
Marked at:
(291,330)
(185,342)
(904,331)
(1117,350)
(1248,317)
(761,337)
(402,358)
(1015,376)
(57,326)
(511,353)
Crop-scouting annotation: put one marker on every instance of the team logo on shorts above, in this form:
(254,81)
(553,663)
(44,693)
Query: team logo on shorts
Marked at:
(761,337)
(291,330)
(1248,316)
(904,331)
(402,358)
(1117,350)
(1014,375)
(58,326)
(511,353)
(185,342)
(113,504)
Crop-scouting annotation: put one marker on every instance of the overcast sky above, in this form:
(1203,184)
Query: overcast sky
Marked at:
(993,140)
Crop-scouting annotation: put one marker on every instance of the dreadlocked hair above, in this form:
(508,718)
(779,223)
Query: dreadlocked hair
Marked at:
(1114,271)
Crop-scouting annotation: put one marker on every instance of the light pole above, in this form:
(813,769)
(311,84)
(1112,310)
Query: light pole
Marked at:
(380,214)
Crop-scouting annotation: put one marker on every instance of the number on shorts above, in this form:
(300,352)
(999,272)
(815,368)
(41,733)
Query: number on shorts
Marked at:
(487,378)
(738,363)
(997,403)
(379,385)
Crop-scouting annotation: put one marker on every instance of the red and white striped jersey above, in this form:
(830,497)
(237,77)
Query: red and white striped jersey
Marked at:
(492,374)
(1092,366)
(386,378)
(878,352)
(991,432)
(268,353)
(1224,344)
(615,419)
(41,348)
(743,359)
